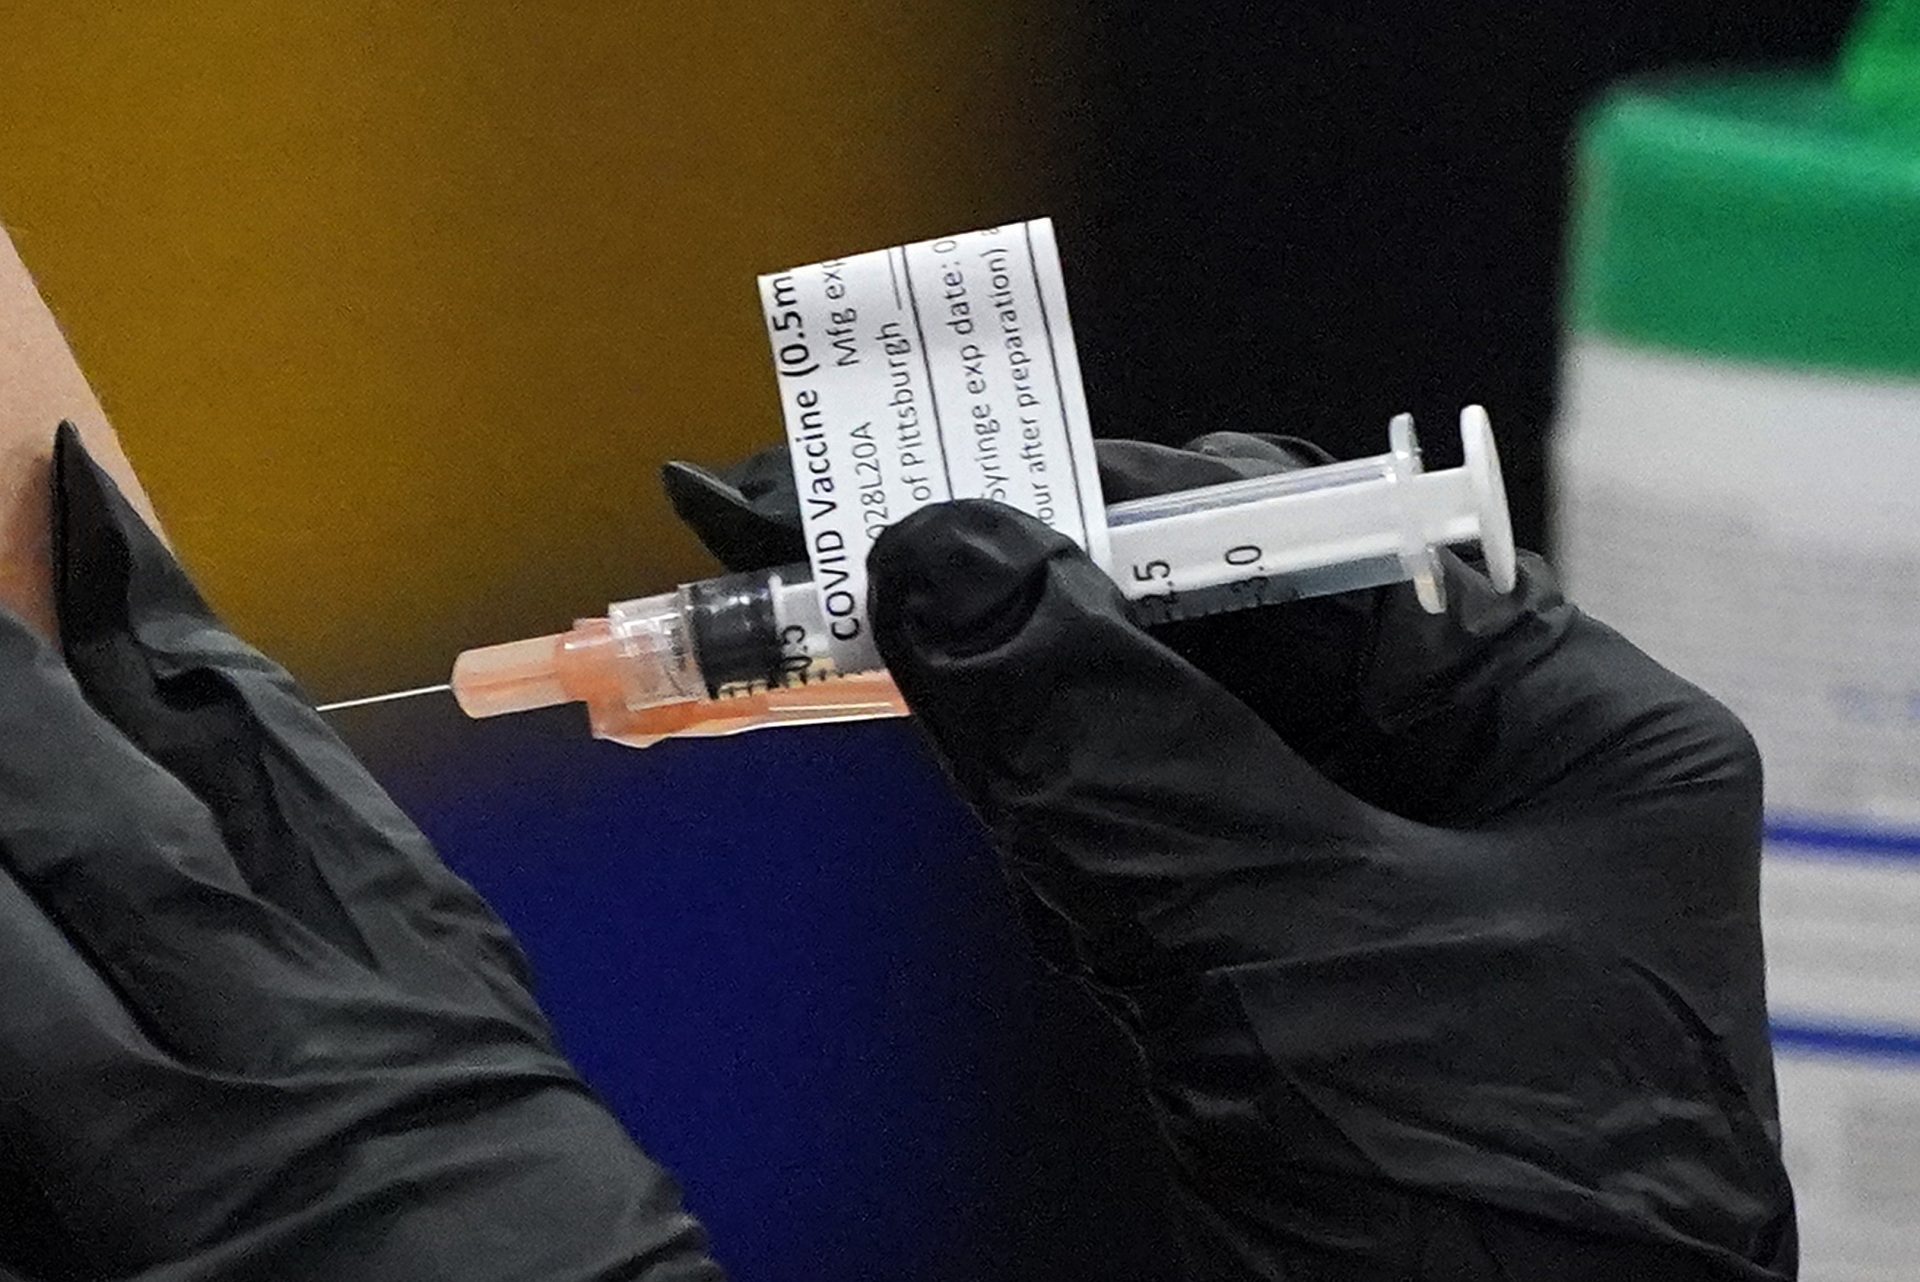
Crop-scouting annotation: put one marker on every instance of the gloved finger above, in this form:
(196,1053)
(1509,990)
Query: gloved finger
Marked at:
(1324,673)
(1511,702)
(87,1082)
(1295,666)
(131,867)
(1140,799)
(1298,665)
(307,828)
(60,1021)
(748,516)
(1455,719)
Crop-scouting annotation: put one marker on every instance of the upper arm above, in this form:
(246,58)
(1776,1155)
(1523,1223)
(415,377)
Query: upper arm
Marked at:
(40,384)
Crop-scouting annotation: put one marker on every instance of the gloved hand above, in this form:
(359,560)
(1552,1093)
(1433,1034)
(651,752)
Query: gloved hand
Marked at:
(1439,935)
(250,1026)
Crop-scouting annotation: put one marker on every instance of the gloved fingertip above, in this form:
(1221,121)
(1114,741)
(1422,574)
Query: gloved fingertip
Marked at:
(108,564)
(90,555)
(697,496)
(746,524)
(957,578)
(693,492)
(73,466)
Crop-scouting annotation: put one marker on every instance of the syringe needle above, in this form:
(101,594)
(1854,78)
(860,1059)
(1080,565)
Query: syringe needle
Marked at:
(383,698)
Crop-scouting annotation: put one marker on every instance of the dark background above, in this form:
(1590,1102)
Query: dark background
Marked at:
(793,971)
(1319,215)
(406,303)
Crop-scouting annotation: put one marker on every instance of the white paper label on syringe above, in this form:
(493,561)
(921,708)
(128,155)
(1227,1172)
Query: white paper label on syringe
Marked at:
(938,370)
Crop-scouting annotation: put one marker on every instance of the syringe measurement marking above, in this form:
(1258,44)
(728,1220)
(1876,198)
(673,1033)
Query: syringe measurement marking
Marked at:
(1200,603)
(1251,590)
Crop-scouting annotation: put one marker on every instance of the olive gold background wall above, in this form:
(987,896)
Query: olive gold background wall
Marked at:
(399,306)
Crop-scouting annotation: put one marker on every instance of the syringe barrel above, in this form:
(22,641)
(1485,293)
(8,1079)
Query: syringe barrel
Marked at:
(1352,514)
(1314,531)
(755,639)
(1243,543)
(723,637)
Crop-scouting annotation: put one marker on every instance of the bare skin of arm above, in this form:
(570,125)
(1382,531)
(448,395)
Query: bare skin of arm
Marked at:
(40,384)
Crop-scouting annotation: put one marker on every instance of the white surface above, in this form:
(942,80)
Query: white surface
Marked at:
(1843,957)
(1758,531)
(1843,938)
(1853,1146)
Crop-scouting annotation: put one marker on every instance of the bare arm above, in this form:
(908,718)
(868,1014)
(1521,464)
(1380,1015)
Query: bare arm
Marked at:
(40,384)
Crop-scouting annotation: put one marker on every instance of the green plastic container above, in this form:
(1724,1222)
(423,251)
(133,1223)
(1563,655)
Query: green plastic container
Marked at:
(1772,218)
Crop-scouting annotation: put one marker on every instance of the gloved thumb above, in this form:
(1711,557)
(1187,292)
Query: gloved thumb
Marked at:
(1117,779)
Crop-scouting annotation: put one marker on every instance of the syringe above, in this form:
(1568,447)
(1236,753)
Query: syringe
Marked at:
(748,650)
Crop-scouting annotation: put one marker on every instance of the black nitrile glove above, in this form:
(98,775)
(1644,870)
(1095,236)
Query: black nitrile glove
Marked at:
(1439,934)
(250,1026)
